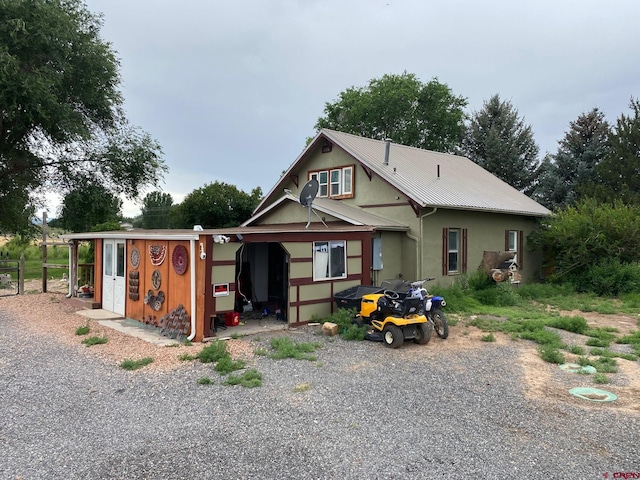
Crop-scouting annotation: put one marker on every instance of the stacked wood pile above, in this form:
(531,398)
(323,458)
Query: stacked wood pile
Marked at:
(500,266)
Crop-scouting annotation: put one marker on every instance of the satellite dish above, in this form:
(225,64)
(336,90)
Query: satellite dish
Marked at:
(309,192)
(307,195)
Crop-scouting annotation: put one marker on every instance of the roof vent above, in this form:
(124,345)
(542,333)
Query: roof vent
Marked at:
(386,151)
(197,228)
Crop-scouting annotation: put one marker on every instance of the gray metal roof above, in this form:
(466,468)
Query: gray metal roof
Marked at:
(347,213)
(431,179)
(437,179)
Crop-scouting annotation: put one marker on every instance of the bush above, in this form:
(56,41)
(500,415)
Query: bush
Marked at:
(609,277)
(570,324)
(213,352)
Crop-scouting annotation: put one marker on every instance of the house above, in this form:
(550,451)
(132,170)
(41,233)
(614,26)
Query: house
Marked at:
(381,211)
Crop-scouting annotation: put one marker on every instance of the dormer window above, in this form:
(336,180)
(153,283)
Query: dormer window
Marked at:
(334,183)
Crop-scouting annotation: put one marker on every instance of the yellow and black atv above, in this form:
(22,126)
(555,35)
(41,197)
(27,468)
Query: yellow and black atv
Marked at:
(394,320)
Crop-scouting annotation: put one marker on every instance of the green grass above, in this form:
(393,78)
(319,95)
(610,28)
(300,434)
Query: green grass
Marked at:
(95,340)
(600,378)
(136,364)
(284,347)
(488,338)
(83,330)
(227,365)
(213,352)
(187,357)
(205,381)
(576,349)
(260,351)
(250,379)
(550,353)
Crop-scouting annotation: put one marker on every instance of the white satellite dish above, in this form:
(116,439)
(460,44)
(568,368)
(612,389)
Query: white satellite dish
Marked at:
(307,195)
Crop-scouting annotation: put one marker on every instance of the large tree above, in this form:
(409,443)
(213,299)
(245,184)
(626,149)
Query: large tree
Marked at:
(619,171)
(156,210)
(61,117)
(402,108)
(89,205)
(570,174)
(216,205)
(499,141)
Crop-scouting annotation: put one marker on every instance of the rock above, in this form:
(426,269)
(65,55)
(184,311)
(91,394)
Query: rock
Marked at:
(330,329)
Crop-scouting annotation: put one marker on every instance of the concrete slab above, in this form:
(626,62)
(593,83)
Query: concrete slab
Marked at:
(135,329)
(99,314)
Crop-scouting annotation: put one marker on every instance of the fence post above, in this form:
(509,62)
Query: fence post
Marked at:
(21,265)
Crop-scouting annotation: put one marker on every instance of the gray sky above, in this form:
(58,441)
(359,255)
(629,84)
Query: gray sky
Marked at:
(232,89)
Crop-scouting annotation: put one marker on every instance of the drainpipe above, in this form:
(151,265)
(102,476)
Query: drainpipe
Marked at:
(417,240)
(435,209)
(193,290)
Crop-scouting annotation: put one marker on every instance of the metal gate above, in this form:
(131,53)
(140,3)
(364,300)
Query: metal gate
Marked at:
(10,276)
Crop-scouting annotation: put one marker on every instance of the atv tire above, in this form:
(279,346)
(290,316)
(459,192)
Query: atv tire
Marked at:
(423,333)
(440,324)
(392,336)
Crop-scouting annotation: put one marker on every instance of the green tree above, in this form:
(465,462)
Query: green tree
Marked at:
(402,108)
(87,206)
(619,171)
(216,205)
(156,210)
(570,174)
(61,119)
(500,142)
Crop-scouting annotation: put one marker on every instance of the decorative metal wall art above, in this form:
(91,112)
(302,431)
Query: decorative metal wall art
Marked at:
(156,279)
(179,259)
(134,257)
(157,253)
(154,301)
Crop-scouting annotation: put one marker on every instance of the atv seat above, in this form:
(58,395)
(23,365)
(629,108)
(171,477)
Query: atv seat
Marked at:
(410,306)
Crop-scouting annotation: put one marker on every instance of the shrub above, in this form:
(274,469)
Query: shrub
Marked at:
(205,381)
(550,353)
(213,352)
(285,348)
(600,378)
(570,324)
(83,330)
(488,338)
(609,277)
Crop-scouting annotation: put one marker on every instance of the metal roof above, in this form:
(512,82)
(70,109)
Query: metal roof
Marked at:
(347,213)
(431,179)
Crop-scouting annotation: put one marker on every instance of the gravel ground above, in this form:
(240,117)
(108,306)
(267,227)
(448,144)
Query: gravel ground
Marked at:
(69,412)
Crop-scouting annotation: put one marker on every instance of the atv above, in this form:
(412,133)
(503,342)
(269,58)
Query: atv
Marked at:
(394,320)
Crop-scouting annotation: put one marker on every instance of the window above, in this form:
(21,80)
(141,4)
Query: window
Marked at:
(337,182)
(329,260)
(513,242)
(454,251)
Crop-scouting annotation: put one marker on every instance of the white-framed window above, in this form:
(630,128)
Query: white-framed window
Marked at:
(329,260)
(337,182)
(453,250)
(514,242)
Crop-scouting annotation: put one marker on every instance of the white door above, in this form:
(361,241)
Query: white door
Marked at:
(113,279)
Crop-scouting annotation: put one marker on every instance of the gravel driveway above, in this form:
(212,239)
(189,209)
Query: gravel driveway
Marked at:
(370,413)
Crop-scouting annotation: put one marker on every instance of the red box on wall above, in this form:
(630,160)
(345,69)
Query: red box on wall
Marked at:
(231,319)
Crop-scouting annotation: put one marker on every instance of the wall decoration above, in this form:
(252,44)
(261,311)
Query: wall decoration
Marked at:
(154,301)
(157,254)
(134,257)
(156,279)
(134,284)
(180,259)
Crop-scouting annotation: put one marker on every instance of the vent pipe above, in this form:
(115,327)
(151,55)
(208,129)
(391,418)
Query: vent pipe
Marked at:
(438,170)
(386,151)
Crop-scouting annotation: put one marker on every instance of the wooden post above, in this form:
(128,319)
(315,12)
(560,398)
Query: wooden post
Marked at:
(21,265)
(44,252)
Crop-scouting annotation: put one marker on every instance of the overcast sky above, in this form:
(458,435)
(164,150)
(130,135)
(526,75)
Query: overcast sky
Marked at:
(232,89)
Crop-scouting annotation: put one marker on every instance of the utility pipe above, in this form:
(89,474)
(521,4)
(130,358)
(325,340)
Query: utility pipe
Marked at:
(192,335)
(435,209)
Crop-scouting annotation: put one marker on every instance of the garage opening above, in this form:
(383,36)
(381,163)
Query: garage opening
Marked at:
(262,280)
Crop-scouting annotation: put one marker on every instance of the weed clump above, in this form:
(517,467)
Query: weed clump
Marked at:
(136,364)
(94,341)
(250,379)
(213,352)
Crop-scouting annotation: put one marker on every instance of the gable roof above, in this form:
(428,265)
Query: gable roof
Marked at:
(428,178)
(347,213)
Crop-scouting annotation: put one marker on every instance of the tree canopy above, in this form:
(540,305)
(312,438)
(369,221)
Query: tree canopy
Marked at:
(402,108)
(216,205)
(499,141)
(61,119)
(89,205)
(156,210)
(570,174)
